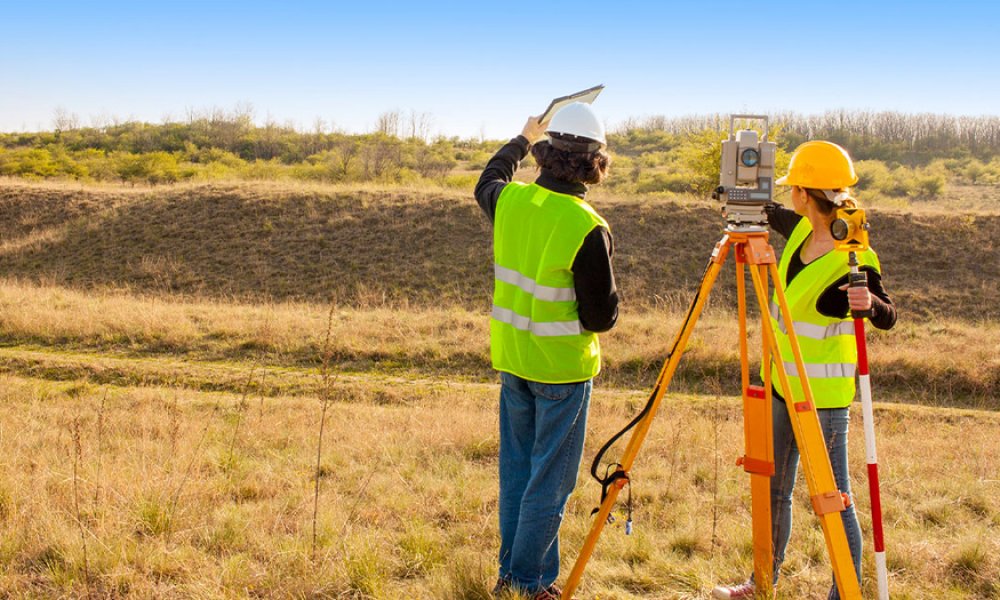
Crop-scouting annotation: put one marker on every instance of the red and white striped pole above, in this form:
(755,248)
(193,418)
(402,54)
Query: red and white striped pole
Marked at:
(871,456)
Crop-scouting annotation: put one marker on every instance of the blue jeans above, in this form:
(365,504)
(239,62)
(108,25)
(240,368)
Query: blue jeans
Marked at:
(542,428)
(834,423)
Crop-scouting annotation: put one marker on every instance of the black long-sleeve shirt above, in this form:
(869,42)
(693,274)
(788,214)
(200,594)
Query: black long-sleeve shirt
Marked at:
(593,276)
(832,302)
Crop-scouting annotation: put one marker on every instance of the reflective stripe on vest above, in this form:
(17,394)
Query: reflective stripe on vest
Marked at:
(543,329)
(816,332)
(822,371)
(535,330)
(542,292)
(829,351)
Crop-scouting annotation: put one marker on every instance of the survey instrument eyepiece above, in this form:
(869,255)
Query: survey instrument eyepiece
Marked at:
(746,175)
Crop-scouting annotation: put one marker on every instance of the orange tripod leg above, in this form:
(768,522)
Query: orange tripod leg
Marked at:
(642,428)
(826,499)
(759,445)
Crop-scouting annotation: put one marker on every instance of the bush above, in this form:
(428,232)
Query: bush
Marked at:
(152,168)
(435,161)
(30,163)
(262,170)
(465,182)
(929,186)
(701,155)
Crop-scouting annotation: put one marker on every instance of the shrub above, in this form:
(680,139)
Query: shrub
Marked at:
(153,168)
(466,182)
(929,186)
(872,174)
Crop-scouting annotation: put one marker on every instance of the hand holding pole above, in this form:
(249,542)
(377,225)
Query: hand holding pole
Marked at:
(859,279)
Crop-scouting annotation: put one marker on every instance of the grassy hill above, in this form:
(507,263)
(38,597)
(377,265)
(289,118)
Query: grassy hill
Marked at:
(245,273)
(420,247)
(159,362)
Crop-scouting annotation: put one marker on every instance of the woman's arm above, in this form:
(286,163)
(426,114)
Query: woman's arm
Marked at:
(835,302)
(782,220)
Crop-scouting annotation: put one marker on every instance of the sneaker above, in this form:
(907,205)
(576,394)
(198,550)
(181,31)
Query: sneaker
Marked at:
(743,590)
(550,593)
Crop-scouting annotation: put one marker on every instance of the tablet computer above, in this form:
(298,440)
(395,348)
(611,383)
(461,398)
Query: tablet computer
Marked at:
(586,96)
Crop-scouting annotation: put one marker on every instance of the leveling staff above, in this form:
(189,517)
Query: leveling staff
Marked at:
(554,289)
(815,278)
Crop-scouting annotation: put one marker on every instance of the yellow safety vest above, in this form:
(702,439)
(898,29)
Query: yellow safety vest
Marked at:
(828,345)
(535,330)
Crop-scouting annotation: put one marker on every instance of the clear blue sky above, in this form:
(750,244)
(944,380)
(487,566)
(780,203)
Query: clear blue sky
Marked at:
(484,66)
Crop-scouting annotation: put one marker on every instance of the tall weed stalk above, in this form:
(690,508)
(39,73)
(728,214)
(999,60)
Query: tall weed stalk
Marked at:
(326,386)
(77,459)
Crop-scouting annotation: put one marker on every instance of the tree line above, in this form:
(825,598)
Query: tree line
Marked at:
(912,139)
(652,154)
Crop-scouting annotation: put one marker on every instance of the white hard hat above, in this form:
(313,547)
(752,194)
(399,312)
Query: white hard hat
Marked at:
(580,120)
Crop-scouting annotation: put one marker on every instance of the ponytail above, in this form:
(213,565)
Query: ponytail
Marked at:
(829,201)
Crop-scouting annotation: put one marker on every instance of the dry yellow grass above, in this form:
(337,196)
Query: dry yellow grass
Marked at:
(45,327)
(171,506)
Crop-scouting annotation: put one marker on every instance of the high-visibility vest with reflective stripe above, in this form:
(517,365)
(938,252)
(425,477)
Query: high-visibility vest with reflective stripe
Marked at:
(829,349)
(535,330)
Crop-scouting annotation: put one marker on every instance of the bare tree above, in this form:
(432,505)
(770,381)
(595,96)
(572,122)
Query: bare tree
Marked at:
(388,123)
(420,125)
(64,120)
(100,122)
(319,126)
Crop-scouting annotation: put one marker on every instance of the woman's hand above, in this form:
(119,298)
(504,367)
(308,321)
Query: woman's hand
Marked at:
(533,130)
(858,298)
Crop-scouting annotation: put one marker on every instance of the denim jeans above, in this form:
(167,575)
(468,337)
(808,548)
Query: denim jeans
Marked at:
(542,428)
(834,423)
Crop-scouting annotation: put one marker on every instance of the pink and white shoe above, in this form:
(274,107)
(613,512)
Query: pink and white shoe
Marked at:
(743,590)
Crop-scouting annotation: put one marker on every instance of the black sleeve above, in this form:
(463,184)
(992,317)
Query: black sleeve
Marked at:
(594,280)
(782,220)
(499,172)
(833,301)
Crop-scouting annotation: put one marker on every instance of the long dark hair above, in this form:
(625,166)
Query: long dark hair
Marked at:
(583,167)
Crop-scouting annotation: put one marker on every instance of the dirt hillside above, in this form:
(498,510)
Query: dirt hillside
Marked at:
(418,247)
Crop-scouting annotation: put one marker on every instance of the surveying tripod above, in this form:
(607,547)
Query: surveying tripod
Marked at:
(750,248)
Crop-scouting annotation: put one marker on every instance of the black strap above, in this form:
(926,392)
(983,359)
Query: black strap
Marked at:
(619,472)
(573,143)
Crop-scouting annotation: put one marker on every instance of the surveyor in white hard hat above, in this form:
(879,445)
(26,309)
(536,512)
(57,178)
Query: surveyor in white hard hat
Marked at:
(815,277)
(554,290)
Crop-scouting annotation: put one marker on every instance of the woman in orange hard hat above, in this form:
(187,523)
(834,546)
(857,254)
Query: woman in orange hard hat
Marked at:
(815,277)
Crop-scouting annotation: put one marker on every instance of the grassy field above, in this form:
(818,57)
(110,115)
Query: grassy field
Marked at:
(117,337)
(154,491)
(162,393)
(167,448)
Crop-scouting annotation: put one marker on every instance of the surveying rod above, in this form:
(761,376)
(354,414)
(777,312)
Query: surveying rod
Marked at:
(860,279)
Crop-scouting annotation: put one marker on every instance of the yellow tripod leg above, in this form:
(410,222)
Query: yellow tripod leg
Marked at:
(826,499)
(642,428)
